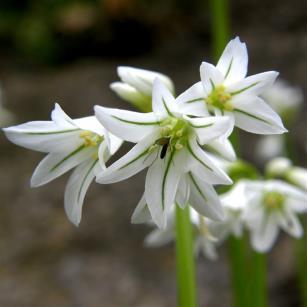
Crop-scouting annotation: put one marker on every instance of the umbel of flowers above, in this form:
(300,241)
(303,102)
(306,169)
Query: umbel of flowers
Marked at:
(183,142)
(172,140)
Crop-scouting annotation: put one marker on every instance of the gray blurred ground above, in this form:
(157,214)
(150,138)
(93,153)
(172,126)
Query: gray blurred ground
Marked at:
(46,261)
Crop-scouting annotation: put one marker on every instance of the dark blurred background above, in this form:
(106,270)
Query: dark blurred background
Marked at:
(67,52)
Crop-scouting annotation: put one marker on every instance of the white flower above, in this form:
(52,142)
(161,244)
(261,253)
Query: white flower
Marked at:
(273,205)
(286,100)
(298,176)
(81,143)
(204,242)
(234,203)
(136,85)
(278,167)
(225,89)
(168,143)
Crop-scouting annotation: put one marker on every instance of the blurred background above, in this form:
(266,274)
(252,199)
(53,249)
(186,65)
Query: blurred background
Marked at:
(67,51)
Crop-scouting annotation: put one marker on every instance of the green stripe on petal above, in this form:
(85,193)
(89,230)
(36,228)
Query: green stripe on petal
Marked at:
(67,157)
(51,132)
(136,158)
(85,177)
(244,89)
(195,157)
(136,123)
(228,69)
(197,186)
(165,176)
(253,116)
(166,108)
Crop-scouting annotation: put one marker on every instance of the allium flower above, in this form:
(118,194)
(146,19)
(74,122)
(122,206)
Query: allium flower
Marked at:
(205,243)
(225,90)
(234,203)
(168,142)
(136,86)
(273,205)
(81,143)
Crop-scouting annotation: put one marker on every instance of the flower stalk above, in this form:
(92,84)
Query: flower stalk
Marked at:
(237,260)
(185,265)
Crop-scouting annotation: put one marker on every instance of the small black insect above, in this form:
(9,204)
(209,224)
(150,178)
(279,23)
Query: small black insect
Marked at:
(164,142)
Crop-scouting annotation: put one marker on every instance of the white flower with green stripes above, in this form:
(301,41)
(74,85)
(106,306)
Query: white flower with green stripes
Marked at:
(224,89)
(169,144)
(272,205)
(81,143)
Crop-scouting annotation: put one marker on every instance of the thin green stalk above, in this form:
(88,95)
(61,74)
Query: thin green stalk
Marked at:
(258,280)
(220,25)
(186,281)
(237,262)
(301,263)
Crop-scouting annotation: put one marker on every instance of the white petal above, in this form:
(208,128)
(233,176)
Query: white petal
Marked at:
(61,118)
(163,102)
(44,136)
(114,143)
(142,80)
(76,188)
(252,114)
(161,184)
(160,237)
(90,123)
(264,237)
(290,223)
(56,164)
(210,77)
(183,192)
(233,62)
(131,163)
(201,164)
(141,213)
(253,85)
(223,148)
(204,199)
(127,125)
(207,248)
(191,102)
(210,128)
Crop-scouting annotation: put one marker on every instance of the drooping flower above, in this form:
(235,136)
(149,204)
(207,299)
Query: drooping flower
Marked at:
(224,89)
(234,202)
(136,86)
(81,143)
(205,243)
(273,205)
(168,143)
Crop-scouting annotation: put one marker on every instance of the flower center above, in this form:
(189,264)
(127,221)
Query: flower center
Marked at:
(219,98)
(273,200)
(174,135)
(90,138)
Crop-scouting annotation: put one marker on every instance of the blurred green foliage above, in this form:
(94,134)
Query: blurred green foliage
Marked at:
(54,31)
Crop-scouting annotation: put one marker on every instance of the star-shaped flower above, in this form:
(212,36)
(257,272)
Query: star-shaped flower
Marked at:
(273,205)
(81,143)
(169,144)
(224,89)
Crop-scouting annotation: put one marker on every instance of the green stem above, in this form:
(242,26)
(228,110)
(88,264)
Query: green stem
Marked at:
(237,262)
(185,265)
(301,260)
(220,25)
(258,280)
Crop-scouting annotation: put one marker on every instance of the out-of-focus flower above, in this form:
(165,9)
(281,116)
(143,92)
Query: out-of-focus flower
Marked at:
(205,243)
(81,143)
(169,144)
(270,146)
(286,100)
(283,168)
(225,90)
(234,203)
(273,205)
(136,86)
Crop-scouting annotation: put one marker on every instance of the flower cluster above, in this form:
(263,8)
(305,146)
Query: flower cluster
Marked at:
(176,138)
